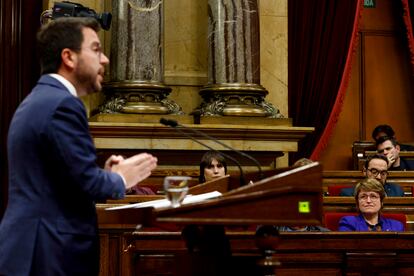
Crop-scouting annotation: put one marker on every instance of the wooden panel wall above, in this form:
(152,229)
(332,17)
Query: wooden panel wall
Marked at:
(381,88)
(19,21)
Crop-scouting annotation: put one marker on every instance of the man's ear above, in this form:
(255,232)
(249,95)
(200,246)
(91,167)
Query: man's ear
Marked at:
(398,147)
(69,58)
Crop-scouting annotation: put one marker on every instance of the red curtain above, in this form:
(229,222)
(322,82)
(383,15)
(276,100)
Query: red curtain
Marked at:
(322,39)
(408,13)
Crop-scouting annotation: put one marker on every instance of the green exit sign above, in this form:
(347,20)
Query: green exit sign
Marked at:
(369,4)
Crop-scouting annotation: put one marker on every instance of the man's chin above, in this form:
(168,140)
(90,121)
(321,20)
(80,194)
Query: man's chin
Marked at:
(97,87)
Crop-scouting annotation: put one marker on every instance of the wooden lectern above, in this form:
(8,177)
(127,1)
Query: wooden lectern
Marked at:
(286,197)
(289,196)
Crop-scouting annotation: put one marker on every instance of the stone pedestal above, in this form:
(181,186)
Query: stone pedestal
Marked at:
(137,61)
(233,87)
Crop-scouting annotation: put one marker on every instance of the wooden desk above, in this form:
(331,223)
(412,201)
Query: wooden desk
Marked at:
(331,178)
(149,252)
(403,205)
(358,151)
(165,253)
(339,253)
(297,192)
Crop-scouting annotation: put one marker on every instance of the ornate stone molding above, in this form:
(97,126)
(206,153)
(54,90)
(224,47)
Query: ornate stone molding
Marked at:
(236,100)
(138,97)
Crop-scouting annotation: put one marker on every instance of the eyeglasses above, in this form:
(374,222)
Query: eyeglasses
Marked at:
(376,172)
(364,197)
(97,49)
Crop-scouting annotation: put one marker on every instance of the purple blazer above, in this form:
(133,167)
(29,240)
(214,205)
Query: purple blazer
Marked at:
(357,223)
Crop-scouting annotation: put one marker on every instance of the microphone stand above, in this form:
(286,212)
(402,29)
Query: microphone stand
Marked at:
(242,178)
(176,125)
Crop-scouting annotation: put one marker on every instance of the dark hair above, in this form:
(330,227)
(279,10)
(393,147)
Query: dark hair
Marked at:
(207,159)
(61,33)
(383,128)
(375,156)
(386,138)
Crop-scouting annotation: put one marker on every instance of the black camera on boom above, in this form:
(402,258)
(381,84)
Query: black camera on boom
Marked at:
(70,9)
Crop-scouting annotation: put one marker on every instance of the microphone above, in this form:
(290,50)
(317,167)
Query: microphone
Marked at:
(174,124)
(168,122)
(171,123)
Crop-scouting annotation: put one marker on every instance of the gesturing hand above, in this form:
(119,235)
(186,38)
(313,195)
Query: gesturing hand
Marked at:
(112,160)
(136,168)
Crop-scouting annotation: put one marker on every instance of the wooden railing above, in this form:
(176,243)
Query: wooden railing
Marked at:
(127,250)
(331,178)
(152,252)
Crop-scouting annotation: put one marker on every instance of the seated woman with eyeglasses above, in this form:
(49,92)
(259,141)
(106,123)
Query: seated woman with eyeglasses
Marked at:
(369,196)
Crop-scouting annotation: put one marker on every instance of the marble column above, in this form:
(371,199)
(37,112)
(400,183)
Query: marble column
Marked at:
(137,60)
(233,87)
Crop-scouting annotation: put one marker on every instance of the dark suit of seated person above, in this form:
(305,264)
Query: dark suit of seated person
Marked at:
(376,167)
(369,198)
(391,149)
(386,130)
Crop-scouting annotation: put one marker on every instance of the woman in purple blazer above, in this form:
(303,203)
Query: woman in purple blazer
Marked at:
(369,196)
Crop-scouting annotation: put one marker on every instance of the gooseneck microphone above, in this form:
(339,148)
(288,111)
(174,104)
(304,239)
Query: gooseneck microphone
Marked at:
(174,124)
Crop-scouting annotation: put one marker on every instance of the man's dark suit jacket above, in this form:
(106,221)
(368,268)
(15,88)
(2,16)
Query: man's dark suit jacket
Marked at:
(391,189)
(50,225)
(405,165)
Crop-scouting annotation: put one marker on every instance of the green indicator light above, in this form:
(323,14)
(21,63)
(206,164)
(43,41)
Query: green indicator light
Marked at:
(304,207)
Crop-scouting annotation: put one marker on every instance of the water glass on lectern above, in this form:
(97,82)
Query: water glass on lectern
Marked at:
(176,188)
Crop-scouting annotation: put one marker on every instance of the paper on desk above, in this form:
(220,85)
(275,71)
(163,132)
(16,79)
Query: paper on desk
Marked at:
(161,203)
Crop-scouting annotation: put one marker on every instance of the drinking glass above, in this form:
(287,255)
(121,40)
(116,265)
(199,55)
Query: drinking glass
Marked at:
(176,188)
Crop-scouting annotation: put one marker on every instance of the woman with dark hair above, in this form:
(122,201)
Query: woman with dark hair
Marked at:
(212,165)
(369,198)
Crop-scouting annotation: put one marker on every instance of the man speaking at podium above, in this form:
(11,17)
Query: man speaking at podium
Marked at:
(50,225)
